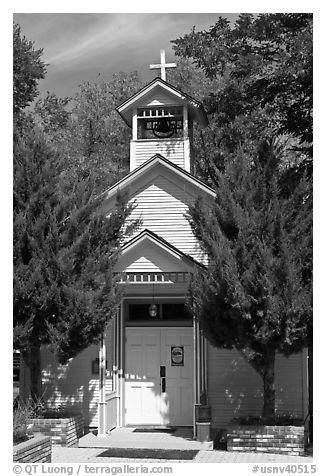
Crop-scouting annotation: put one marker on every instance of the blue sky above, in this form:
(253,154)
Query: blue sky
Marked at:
(80,46)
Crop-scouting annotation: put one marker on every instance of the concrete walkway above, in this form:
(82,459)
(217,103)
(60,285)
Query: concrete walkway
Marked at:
(98,455)
(145,445)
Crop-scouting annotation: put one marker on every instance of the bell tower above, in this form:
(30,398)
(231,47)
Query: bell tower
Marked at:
(161,118)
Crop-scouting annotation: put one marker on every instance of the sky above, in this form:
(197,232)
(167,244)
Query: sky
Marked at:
(81,46)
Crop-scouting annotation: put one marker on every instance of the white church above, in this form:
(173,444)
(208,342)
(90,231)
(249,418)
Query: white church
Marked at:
(153,365)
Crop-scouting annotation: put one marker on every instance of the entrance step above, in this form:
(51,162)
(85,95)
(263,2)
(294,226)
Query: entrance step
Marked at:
(176,443)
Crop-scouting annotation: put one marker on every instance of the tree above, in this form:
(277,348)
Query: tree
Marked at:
(64,253)
(255,295)
(27,70)
(65,248)
(261,86)
(91,135)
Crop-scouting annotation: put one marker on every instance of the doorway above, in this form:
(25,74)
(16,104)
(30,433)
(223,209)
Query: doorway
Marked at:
(159,385)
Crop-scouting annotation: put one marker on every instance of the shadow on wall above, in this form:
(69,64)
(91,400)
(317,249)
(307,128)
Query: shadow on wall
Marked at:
(73,386)
(235,389)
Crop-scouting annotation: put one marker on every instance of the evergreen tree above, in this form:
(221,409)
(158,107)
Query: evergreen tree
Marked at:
(64,253)
(255,295)
(65,248)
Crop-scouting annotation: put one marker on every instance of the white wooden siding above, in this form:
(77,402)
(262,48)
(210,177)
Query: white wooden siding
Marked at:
(235,389)
(149,257)
(162,206)
(172,149)
(159,98)
(73,385)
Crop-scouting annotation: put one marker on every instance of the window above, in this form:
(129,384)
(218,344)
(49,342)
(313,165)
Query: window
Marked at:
(165,312)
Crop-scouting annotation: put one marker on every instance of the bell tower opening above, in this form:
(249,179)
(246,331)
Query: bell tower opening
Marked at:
(160,123)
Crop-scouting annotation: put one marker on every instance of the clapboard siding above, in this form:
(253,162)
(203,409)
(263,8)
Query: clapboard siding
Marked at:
(159,98)
(148,257)
(144,264)
(162,206)
(72,385)
(173,149)
(235,389)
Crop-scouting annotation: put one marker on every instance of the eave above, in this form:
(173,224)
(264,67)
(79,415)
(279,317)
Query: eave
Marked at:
(125,109)
(150,164)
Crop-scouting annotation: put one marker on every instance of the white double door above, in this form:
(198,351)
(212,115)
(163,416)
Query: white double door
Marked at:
(159,376)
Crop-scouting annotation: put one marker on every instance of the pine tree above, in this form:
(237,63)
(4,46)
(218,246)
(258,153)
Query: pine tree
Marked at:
(255,295)
(64,252)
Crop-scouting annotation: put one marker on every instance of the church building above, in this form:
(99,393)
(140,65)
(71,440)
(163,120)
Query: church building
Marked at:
(154,366)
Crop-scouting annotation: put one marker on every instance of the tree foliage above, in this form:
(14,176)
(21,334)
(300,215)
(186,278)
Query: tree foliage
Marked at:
(256,294)
(258,85)
(87,130)
(65,247)
(64,254)
(268,62)
(28,69)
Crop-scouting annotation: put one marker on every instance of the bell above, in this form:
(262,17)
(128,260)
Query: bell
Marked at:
(152,310)
(163,128)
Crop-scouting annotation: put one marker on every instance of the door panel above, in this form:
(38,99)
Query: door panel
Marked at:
(142,380)
(147,350)
(179,378)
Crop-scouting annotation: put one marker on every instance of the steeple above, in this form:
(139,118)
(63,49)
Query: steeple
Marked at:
(161,117)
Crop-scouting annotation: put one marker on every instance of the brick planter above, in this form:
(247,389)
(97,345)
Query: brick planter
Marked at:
(35,450)
(63,431)
(288,440)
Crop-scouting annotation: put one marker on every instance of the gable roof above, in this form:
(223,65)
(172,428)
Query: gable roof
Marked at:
(195,107)
(146,237)
(158,161)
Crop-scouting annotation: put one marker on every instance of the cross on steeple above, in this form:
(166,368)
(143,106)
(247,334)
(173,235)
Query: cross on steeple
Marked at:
(162,66)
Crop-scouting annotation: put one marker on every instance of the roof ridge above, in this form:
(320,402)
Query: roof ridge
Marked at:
(158,80)
(169,164)
(164,242)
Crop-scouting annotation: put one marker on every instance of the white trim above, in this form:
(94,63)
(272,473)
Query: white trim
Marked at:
(186,154)
(121,370)
(185,122)
(195,376)
(132,152)
(102,430)
(195,106)
(148,89)
(305,383)
(134,125)
(150,164)
(146,236)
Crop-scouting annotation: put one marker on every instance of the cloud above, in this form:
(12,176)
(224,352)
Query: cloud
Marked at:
(79,46)
(104,35)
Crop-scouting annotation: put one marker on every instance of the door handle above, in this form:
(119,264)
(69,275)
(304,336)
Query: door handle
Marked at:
(163,379)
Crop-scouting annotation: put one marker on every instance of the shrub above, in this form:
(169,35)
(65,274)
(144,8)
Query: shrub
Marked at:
(23,411)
